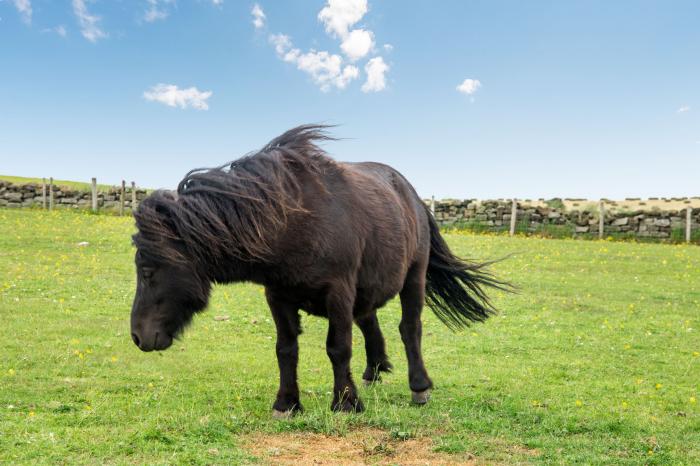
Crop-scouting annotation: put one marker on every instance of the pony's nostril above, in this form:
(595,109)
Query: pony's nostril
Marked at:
(136,339)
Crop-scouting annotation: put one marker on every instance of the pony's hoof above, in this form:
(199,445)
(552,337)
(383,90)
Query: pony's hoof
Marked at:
(282,415)
(422,397)
(346,406)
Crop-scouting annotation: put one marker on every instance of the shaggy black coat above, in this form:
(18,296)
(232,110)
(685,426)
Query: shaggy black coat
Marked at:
(335,239)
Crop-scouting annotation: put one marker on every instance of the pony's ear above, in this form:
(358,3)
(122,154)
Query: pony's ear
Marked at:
(156,215)
(166,194)
(157,223)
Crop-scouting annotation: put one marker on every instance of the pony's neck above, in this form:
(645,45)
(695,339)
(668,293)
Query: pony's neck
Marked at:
(234,272)
(211,238)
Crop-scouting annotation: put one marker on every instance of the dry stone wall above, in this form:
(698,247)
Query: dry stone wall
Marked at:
(495,216)
(30,195)
(471,213)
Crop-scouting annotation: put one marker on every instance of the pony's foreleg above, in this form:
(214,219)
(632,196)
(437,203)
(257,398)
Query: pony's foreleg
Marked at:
(377,360)
(286,318)
(412,299)
(339,304)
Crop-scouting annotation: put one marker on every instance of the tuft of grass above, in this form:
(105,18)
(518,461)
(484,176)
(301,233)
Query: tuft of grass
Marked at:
(595,361)
(555,203)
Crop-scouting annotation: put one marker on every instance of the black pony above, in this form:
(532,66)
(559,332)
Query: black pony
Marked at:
(337,240)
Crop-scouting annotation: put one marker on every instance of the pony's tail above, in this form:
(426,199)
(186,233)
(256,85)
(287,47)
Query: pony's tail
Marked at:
(454,287)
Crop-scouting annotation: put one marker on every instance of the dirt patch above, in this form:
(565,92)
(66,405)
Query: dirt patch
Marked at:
(523,451)
(360,447)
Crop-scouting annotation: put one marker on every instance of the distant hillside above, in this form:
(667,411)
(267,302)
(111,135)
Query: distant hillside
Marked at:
(68,184)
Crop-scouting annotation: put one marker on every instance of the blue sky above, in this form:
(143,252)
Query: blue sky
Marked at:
(466,98)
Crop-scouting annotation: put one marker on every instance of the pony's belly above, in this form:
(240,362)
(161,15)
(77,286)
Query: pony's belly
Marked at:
(315,309)
(367,300)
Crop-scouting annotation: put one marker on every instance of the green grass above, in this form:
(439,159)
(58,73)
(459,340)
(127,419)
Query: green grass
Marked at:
(566,231)
(596,361)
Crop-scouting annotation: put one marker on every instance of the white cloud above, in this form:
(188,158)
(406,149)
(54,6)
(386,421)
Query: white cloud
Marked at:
(217,2)
(376,79)
(157,10)
(89,24)
(357,44)
(258,16)
(329,70)
(325,69)
(24,7)
(683,109)
(172,96)
(469,86)
(284,48)
(338,16)
(60,30)
(282,44)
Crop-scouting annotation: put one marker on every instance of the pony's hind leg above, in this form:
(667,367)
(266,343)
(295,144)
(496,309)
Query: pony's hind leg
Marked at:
(377,360)
(412,299)
(286,318)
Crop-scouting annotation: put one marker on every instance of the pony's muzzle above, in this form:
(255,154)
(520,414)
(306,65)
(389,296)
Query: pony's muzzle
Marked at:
(152,340)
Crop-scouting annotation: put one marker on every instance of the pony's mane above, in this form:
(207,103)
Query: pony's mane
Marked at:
(233,210)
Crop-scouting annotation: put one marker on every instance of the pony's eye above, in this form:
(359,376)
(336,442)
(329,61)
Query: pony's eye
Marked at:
(147,273)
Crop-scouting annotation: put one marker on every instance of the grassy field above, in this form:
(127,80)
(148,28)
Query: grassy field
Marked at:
(596,361)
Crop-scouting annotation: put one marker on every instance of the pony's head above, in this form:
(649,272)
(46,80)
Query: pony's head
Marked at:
(170,287)
(224,217)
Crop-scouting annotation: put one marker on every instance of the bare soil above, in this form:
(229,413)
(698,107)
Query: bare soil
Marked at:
(360,447)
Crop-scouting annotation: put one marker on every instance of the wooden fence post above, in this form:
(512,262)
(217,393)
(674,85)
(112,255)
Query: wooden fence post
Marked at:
(94,194)
(133,196)
(51,193)
(688,223)
(513,216)
(432,205)
(43,193)
(601,220)
(121,198)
